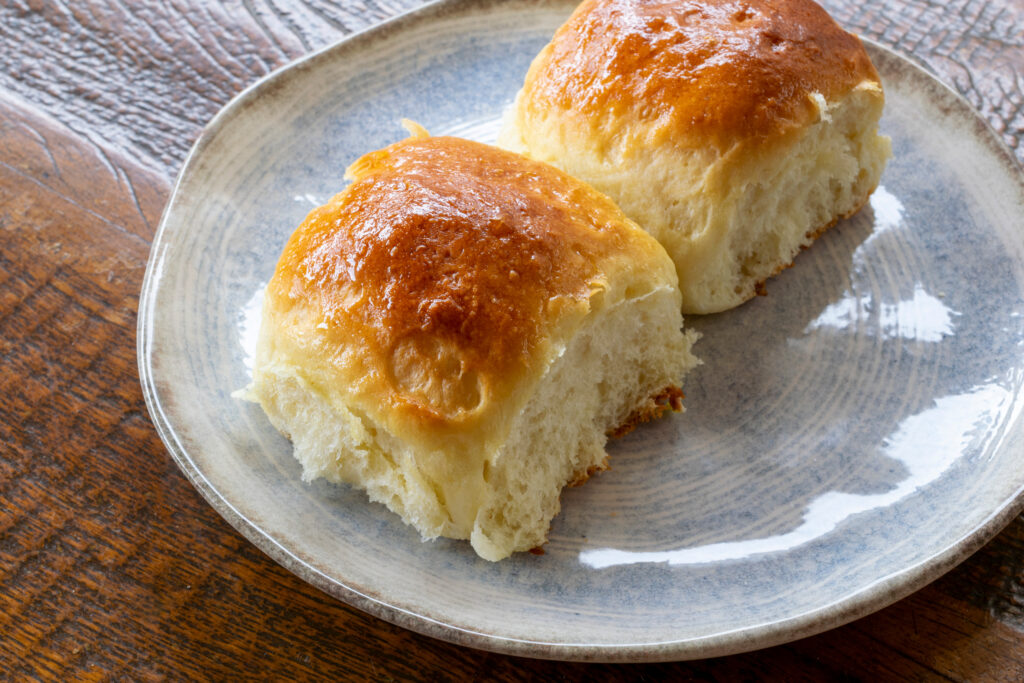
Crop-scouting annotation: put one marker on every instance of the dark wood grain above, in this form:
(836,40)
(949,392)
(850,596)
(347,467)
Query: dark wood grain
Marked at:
(110,564)
(144,77)
(976,46)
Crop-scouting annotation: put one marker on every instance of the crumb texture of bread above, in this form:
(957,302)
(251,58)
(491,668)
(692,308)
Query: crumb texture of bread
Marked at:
(456,333)
(733,132)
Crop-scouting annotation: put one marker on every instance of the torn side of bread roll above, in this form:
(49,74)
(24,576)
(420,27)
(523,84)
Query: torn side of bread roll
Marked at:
(458,331)
(734,131)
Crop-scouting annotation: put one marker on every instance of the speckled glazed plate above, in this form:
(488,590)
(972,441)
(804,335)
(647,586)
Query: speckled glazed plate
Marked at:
(849,438)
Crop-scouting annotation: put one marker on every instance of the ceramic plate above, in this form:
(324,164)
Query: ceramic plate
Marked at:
(849,437)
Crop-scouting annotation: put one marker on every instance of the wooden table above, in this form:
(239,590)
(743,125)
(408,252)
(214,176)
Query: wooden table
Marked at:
(110,563)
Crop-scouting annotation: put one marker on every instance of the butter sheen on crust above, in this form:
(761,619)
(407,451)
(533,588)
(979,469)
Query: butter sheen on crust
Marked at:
(402,270)
(701,72)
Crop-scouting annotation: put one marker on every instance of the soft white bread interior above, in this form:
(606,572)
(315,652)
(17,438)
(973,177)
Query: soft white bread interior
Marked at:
(458,332)
(734,132)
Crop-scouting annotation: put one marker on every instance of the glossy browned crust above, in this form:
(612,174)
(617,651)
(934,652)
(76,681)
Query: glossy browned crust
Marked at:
(433,277)
(715,71)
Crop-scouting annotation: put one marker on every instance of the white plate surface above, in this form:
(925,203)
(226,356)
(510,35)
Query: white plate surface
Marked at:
(849,437)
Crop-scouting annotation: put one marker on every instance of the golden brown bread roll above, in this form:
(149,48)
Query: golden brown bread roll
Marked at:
(734,131)
(457,331)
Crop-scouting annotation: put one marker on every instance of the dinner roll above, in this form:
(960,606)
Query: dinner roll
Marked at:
(458,331)
(734,131)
